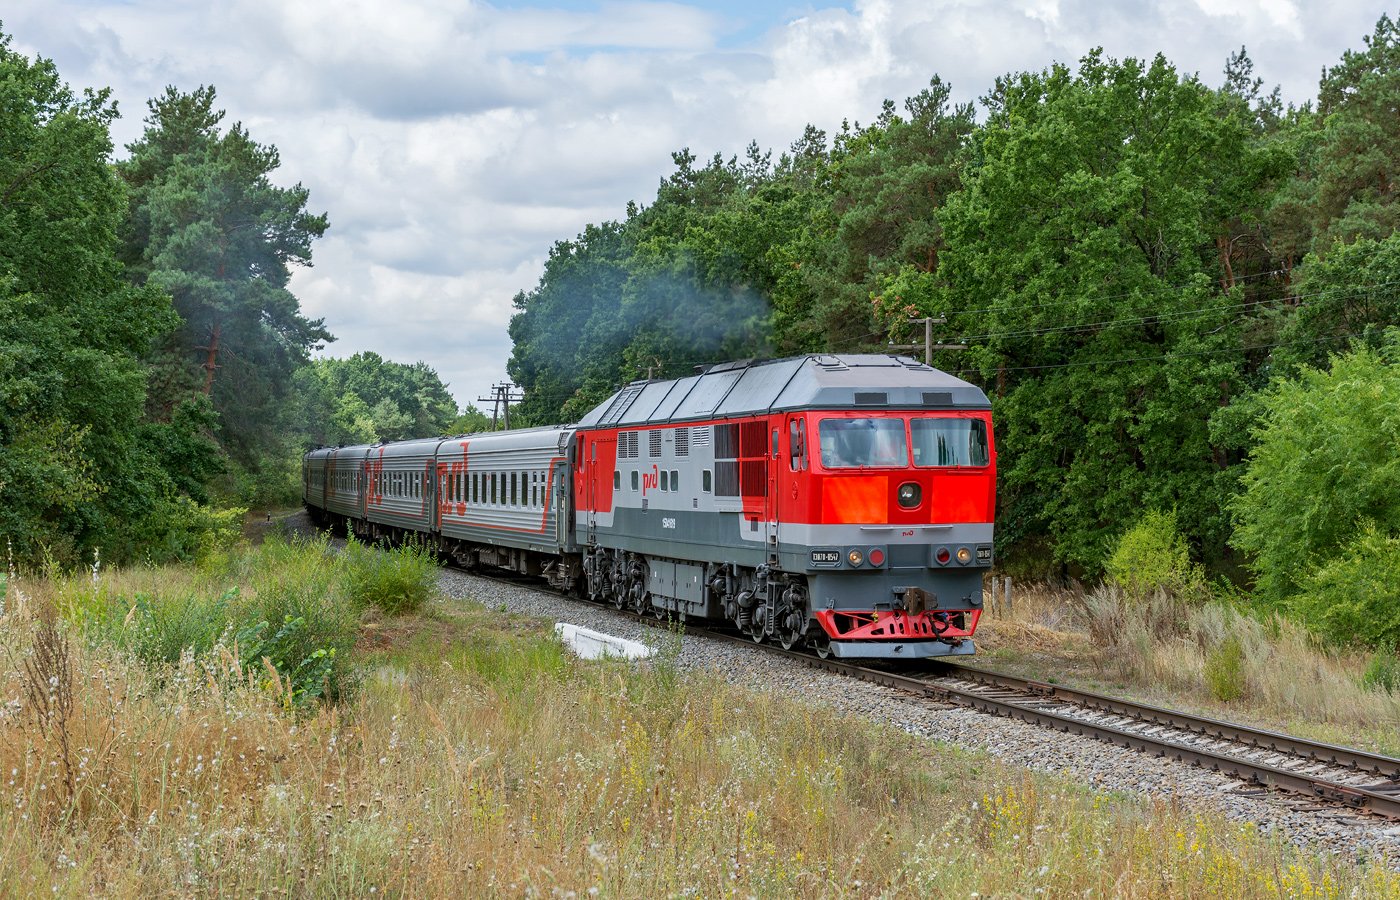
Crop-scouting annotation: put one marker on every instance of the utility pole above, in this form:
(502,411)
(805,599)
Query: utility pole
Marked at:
(504,394)
(928,344)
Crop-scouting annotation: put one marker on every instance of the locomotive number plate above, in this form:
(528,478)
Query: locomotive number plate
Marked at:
(826,557)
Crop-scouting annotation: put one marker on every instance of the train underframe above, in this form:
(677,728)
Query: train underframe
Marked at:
(767,604)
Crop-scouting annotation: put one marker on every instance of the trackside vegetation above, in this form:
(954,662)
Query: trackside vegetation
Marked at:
(475,757)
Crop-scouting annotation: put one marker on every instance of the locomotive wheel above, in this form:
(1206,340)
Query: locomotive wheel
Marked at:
(756,627)
(790,631)
(818,641)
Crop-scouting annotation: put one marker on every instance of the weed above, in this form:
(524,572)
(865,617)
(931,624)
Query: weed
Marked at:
(1224,670)
(397,581)
(1383,672)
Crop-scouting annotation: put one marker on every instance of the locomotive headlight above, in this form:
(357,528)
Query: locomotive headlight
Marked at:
(964,556)
(943,556)
(909,495)
(855,557)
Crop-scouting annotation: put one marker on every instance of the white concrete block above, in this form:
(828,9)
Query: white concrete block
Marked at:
(590,644)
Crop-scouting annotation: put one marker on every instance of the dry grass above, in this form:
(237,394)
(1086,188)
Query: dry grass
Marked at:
(1178,654)
(479,760)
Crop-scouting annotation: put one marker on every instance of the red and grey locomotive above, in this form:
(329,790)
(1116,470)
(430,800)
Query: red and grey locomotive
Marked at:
(840,502)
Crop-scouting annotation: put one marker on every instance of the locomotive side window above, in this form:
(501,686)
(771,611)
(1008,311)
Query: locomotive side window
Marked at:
(617,480)
(797,439)
(949,442)
(854,443)
(706,481)
(675,480)
(634,479)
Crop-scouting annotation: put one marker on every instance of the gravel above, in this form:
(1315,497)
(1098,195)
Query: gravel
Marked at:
(1103,766)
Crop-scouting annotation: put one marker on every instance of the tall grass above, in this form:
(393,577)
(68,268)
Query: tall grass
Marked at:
(295,603)
(479,760)
(1211,655)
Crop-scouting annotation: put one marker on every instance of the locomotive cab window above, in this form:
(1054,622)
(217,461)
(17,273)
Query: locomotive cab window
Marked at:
(860,443)
(949,442)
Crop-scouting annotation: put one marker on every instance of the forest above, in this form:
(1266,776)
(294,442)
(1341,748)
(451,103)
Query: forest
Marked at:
(1177,294)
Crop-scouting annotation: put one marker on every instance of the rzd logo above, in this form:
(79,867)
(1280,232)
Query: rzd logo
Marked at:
(650,480)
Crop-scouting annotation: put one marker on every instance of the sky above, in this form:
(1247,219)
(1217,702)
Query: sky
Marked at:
(453,142)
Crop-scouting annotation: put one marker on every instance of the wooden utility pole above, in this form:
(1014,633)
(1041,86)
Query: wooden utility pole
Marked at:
(928,345)
(504,394)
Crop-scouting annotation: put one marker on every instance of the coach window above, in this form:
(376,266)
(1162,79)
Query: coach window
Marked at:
(706,480)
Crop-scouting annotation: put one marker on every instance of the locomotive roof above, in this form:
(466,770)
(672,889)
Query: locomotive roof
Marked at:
(749,387)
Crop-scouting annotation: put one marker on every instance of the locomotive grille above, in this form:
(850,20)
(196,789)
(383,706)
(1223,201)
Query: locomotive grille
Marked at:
(682,441)
(872,398)
(654,443)
(627,445)
(938,398)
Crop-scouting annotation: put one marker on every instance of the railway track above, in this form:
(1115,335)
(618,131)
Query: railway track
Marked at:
(1322,773)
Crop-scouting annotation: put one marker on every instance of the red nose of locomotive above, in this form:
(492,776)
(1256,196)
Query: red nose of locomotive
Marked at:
(901,515)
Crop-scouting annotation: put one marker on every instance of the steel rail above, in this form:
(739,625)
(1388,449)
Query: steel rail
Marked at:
(1377,799)
(1374,763)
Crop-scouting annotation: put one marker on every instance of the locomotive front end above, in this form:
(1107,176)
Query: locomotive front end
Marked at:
(898,529)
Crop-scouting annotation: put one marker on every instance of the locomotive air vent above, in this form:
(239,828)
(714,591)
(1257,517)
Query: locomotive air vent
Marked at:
(654,443)
(682,441)
(701,434)
(938,398)
(872,398)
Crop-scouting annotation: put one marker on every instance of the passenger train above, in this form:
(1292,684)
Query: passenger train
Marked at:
(844,503)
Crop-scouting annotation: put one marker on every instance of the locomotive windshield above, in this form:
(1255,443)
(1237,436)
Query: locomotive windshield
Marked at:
(883,443)
(852,443)
(949,442)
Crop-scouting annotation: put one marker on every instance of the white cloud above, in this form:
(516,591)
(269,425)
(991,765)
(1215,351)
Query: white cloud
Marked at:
(452,143)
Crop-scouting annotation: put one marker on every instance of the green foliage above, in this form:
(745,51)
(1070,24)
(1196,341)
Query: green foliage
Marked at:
(1383,672)
(306,679)
(367,398)
(1349,298)
(1324,462)
(398,580)
(1349,178)
(77,469)
(1224,670)
(207,224)
(1152,556)
(1096,197)
(301,586)
(1353,594)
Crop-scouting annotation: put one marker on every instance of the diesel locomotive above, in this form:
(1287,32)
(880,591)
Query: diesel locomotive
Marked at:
(843,503)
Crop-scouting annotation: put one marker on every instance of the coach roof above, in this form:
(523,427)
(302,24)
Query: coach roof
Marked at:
(809,382)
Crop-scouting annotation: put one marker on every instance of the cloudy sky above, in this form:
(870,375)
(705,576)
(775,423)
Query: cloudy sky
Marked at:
(453,141)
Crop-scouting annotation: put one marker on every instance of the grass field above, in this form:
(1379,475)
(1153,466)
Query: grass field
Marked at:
(466,754)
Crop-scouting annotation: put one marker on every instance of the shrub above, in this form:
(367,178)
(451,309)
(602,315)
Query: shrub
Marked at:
(1383,672)
(396,581)
(1152,556)
(1356,595)
(1324,463)
(1224,670)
